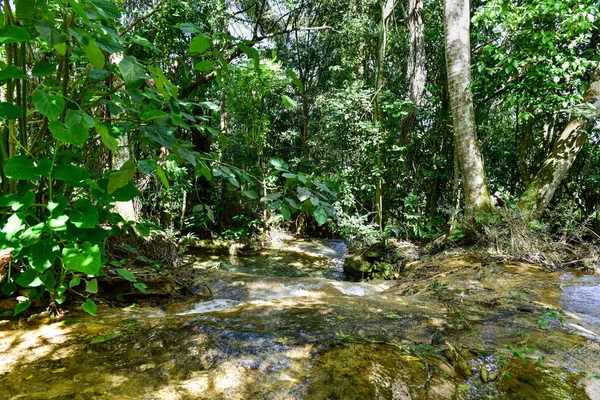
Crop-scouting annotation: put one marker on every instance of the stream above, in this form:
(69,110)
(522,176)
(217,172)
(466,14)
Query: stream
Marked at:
(285,324)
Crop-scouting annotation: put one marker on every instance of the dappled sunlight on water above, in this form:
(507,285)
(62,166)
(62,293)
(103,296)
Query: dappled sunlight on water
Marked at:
(309,337)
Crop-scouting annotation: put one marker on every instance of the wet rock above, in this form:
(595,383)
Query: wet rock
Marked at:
(356,265)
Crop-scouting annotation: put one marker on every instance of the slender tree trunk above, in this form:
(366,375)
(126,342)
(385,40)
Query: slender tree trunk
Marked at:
(458,59)
(416,72)
(387,8)
(540,191)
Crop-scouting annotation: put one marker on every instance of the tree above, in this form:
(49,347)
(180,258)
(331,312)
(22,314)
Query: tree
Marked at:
(540,191)
(458,60)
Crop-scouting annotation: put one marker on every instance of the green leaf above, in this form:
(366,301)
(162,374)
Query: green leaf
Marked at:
(32,234)
(61,48)
(21,167)
(153,114)
(12,72)
(288,102)
(84,258)
(107,9)
(84,214)
(8,288)
(71,174)
(49,33)
(13,225)
(48,105)
(147,166)
(94,54)
(110,142)
(141,287)
(320,215)
(162,176)
(13,34)
(271,197)
(126,193)
(286,212)
(303,193)
(199,45)
(74,282)
(10,111)
(127,275)
(292,75)
(29,278)
(105,338)
(58,223)
(161,135)
(204,66)
(90,307)
(22,306)
(43,68)
(120,178)
(279,164)
(43,254)
(251,194)
(252,53)
(91,286)
(16,201)
(132,70)
(79,124)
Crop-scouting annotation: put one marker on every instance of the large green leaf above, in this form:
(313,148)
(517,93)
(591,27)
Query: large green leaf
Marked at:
(94,54)
(43,254)
(48,104)
(10,111)
(13,34)
(161,135)
(110,142)
(21,167)
(303,193)
(49,33)
(84,214)
(14,224)
(12,72)
(16,201)
(147,166)
(120,178)
(131,70)
(71,174)
(31,235)
(43,68)
(29,278)
(320,215)
(85,258)
(79,124)
(199,45)
(107,9)
(288,102)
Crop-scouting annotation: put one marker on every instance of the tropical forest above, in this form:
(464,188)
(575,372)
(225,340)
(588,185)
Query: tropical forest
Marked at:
(299,199)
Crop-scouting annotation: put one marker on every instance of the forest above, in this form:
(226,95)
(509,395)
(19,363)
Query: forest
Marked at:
(134,130)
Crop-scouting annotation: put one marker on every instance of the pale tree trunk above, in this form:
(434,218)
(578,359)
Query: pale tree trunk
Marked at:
(540,191)
(416,72)
(458,60)
(387,8)
(125,209)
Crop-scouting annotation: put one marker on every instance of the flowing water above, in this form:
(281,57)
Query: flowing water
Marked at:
(283,324)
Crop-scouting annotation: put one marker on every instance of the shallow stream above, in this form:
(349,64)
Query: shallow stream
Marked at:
(283,324)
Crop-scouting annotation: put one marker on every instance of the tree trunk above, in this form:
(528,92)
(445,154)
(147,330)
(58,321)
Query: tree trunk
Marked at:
(458,59)
(387,8)
(416,72)
(540,191)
